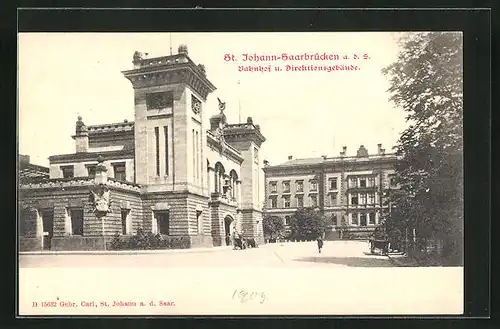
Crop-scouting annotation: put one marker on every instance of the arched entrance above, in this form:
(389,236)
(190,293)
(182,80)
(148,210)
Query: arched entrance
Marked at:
(228,220)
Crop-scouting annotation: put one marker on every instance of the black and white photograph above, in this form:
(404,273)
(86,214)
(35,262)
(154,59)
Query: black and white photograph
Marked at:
(176,173)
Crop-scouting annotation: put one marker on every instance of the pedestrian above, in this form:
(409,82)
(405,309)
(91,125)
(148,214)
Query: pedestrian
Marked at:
(320,243)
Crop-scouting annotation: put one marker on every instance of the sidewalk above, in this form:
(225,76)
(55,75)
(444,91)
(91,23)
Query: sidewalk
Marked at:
(126,252)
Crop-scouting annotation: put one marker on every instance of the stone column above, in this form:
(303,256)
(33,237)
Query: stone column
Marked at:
(238,192)
(39,224)
(67,222)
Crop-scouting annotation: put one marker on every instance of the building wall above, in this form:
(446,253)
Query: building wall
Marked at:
(342,207)
(61,201)
(80,169)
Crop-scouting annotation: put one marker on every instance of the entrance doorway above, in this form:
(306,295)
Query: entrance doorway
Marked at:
(227,226)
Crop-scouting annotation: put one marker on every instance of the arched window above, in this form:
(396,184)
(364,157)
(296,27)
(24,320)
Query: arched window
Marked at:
(219,177)
(233,176)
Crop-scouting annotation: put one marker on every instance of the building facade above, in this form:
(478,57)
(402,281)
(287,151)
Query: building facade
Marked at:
(348,190)
(166,172)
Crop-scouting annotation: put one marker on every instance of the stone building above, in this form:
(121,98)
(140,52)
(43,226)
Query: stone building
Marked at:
(29,171)
(166,172)
(349,190)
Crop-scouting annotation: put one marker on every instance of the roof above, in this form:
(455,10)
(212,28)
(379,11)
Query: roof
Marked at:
(340,159)
(111,128)
(305,161)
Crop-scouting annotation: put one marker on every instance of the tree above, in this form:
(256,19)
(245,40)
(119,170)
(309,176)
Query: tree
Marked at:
(427,83)
(308,223)
(273,226)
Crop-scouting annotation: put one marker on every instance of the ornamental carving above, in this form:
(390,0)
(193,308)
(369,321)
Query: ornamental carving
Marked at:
(100,199)
(195,104)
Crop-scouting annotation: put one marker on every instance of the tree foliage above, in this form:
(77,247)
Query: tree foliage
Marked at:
(308,223)
(427,83)
(273,226)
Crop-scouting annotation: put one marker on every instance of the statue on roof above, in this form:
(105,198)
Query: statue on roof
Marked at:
(80,126)
(137,56)
(222,106)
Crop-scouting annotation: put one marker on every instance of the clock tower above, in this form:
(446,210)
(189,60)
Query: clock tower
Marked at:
(170,138)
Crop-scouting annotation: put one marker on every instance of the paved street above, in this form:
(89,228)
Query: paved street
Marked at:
(299,254)
(293,277)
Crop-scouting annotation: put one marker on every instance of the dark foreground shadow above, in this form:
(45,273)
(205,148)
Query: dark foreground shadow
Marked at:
(349,261)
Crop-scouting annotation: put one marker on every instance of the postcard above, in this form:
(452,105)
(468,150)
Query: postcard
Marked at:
(177,174)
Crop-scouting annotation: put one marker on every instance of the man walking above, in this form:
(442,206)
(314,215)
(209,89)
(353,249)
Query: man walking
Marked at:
(320,243)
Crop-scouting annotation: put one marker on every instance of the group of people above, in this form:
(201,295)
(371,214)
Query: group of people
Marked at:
(240,242)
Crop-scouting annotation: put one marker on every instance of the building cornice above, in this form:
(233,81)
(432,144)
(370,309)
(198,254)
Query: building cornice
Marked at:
(77,182)
(92,156)
(170,69)
(339,161)
(244,132)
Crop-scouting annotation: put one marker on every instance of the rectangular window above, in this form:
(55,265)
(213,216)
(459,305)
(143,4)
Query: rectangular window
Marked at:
(362,219)
(162,220)
(120,171)
(371,198)
(300,201)
(274,202)
(194,157)
(165,132)
(314,200)
(371,181)
(157,150)
(314,185)
(286,201)
(334,219)
(287,220)
(362,182)
(333,183)
(77,221)
(354,199)
(333,199)
(68,171)
(353,182)
(48,221)
(273,187)
(91,170)
(354,219)
(199,221)
(300,186)
(286,187)
(371,218)
(362,198)
(198,155)
(125,213)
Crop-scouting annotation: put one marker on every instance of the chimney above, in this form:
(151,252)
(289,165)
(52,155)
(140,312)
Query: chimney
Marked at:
(290,157)
(379,146)
(344,150)
(382,151)
(324,157)
(24,159)
(266,163)
(81,137)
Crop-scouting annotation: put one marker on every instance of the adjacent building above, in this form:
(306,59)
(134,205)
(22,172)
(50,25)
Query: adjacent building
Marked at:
(167,172)
(349,190)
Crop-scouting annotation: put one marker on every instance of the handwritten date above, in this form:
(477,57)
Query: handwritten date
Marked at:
(246,296)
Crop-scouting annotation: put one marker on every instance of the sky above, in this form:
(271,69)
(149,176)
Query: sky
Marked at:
(301,113)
